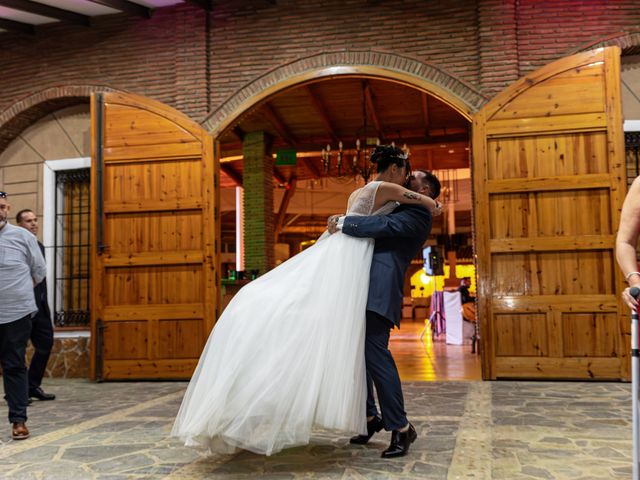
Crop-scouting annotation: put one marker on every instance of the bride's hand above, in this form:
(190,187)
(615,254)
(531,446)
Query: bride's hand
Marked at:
(437,210)
(332,223)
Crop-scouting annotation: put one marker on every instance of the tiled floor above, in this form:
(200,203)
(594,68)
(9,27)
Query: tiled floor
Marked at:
(420,358)
(467,430)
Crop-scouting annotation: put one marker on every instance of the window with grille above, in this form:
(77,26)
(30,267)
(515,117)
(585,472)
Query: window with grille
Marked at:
(632,152)
(71,252)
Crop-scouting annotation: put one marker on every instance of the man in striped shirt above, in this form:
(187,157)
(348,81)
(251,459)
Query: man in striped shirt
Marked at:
(21,267)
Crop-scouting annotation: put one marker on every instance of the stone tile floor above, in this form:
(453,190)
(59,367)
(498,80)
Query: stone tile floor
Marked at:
(467,430)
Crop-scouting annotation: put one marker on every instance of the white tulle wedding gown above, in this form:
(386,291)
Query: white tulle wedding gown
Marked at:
(287,354)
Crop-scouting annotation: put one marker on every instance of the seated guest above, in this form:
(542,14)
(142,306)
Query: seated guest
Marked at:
(467,300)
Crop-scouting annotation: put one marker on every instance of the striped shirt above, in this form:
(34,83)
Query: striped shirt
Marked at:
(21,263)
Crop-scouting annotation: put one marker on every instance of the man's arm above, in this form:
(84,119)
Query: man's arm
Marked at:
(409,222)
(36,260)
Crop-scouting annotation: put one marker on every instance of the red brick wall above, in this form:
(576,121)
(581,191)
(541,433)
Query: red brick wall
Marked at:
(487,43)
(252,39)
(548,30)
(162,58)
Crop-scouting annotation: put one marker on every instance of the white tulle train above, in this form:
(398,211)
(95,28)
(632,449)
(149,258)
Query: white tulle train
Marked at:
(286,356)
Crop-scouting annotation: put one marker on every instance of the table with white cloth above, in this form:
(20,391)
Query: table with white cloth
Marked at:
(446,317)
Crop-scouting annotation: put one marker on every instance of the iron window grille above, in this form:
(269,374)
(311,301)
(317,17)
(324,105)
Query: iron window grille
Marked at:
(72,248)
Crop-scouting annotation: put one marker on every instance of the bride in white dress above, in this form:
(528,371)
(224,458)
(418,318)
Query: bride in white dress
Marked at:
(287,354)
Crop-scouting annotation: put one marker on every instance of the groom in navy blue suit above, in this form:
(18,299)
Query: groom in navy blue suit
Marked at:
(399,238)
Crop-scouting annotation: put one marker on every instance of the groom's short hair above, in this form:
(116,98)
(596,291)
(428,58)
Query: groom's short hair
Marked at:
(431,181)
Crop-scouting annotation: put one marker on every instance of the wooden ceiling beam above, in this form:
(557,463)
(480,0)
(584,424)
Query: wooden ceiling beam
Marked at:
(414,141)
(312,167)
(47,11)
(425,112)
(204,4)
(18,27)
(232,173)
(322,113)
(372,109)
(238,132)
(125,6)
(280,178)
(284,205)
(283,131)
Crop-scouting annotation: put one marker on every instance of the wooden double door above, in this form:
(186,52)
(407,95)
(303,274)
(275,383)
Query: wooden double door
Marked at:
(548,185)
(549,182)
(155,281)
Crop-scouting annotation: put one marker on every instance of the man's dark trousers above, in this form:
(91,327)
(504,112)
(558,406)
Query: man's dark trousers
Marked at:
(13,347)
(382,372)
(41,335)
(42,340)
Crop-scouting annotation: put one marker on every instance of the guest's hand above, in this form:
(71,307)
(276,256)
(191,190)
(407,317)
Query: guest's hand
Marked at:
(332,223)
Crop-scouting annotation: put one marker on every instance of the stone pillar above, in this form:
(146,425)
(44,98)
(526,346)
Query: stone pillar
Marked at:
(258,203)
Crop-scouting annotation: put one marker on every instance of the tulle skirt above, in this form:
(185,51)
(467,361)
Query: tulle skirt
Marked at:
(286,356)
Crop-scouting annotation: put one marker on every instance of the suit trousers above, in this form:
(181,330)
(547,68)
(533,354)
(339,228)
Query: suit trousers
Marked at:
(42,340)
(382,372)
(13,347)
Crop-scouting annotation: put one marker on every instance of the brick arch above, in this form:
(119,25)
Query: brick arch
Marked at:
(390,66)
(629,43)
(27,111)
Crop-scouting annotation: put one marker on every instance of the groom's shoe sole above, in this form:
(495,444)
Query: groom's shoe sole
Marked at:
(373,427)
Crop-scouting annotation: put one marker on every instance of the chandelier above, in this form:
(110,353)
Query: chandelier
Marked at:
(353,162)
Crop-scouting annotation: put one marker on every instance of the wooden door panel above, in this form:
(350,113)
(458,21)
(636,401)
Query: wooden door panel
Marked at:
(155,280)
(180,338)
(155,232)
(553,273)
(153,285)
(550,214)
(549,181)
(126,340)
(158,181)
(589,334)
(130,126)
(547,156)
(522,334)
(555,95)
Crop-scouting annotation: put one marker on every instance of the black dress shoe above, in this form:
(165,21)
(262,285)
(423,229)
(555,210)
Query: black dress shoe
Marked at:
(41,395)
(400,442)
(374,425)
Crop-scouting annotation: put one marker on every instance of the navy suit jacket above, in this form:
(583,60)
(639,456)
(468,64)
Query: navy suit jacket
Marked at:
(399,238)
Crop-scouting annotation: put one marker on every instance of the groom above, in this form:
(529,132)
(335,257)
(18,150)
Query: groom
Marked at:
(399,238)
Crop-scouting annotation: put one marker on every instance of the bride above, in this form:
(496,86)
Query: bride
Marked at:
(287,354)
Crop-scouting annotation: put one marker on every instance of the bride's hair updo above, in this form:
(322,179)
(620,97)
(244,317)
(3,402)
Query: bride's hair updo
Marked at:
(386,155)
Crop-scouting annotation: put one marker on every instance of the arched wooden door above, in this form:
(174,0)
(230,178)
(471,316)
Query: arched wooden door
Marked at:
(549,182)
(155,285)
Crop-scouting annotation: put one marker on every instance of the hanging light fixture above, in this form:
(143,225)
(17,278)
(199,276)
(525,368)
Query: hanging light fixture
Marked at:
(360,164)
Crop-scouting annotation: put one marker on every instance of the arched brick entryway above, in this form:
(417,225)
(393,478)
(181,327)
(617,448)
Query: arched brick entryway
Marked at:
(629,43)
(390,66)
(29,110)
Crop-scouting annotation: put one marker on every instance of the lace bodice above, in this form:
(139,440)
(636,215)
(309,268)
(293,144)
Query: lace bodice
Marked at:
(362,201)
